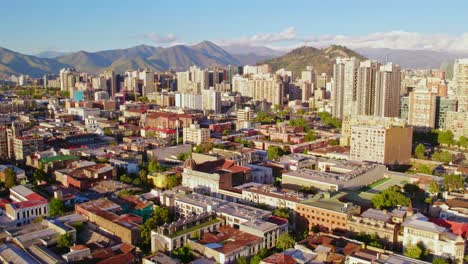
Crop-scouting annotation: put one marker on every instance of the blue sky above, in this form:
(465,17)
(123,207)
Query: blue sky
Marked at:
(34,26)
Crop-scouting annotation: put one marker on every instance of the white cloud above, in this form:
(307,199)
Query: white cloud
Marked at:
(394,40)
(160,39)
(289,34)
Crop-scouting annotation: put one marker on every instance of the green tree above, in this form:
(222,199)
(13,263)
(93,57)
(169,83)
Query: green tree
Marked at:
(420,151)
(264,118)
(282,212)
(154,166)
(411,189)
(160,216)
(125,178)
(136,181)
(334,142)
(434,187)
(255,259)
(453,182)
(442,156)
(10,177)
(463,142)
(285,241)
(445,137)
(55,207)
(39,175)
(65,241)
(439,261)
(184,254)
(389,198)
(241,260)
(274,152)
(172,181)
(414,251)
(424,169)
(310,136)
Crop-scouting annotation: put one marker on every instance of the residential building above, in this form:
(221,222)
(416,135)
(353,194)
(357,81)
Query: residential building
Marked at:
(364,120)
(387,94)
(422,110)
(444,105)
(196,135)
(438,241)
(345,86)
(460,82)
(457,122)
(382,224)
(211,101)
(172,236)
(388,145)
(245,117)
(25,146)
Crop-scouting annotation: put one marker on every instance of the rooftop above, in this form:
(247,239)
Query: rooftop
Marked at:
(228,240)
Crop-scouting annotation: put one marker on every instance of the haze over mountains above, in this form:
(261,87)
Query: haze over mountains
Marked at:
(208,54)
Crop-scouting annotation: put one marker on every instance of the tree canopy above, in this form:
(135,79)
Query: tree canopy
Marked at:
(415,251)
(453,182)
(389,198)
(10,177)
(420,151)
(274,152)
(445,137)
(285,241)
(55,207)
(184,254)
(442,156)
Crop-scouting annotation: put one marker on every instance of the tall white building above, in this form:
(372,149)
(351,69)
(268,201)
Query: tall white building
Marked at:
(211,100)
(188,100)
(68,78)
(365,88)
(264,87)
(345,86)
(460,82)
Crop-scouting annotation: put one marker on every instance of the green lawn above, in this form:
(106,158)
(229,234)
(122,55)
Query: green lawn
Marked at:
(381,181)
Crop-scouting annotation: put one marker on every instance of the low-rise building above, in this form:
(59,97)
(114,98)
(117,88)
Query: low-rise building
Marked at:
(438,241)
(196,135)
(377,223)
(103,213)
(227,244)
(326,212)
(26,206)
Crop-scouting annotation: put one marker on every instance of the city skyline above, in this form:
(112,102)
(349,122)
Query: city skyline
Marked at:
(104,25)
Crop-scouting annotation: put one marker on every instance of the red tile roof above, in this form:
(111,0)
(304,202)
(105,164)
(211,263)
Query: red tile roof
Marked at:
(279,258)
(125,258)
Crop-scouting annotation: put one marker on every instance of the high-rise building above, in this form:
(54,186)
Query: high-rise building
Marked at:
(196,135)
(211,100)
(345,85)
(111,82)
(366,88)
(308,75)
(404,107)
(422,110)
(188,100)
(68,78)
(390,145)
(444,105)
(457,122)
(387,95)
(147,77)
(460,82)
(260,87)
(364,120)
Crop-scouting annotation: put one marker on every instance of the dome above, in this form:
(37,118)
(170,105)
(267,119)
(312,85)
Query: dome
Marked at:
(190,164)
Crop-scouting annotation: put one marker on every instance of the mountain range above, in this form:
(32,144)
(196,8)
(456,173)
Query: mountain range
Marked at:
(208,54)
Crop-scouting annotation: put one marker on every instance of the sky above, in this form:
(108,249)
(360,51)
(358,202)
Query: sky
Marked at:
(92,25)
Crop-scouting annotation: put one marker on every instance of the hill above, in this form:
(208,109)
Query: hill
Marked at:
(321,59)
(12,62)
